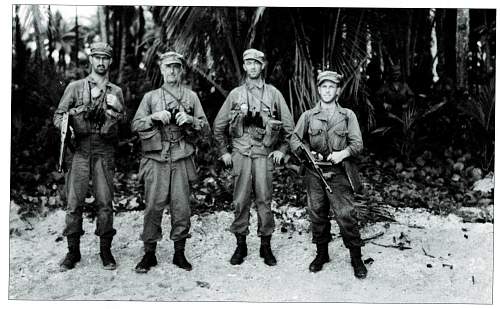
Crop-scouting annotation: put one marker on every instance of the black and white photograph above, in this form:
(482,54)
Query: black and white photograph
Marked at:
(251,154)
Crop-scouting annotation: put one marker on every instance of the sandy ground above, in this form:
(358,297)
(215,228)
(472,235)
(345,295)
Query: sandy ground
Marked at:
(394,276)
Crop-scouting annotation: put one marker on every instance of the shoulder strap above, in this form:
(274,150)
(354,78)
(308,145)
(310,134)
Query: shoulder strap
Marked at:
(178,100)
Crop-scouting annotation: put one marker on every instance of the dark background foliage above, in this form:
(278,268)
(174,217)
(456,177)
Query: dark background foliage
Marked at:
(430,157)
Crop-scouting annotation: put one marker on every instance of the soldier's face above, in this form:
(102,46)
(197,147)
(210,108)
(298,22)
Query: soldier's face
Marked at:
(328,91)
(171,72)
(253,68)
(100,64)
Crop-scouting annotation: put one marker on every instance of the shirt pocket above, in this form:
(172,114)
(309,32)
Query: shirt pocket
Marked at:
(317,135)
(339,136)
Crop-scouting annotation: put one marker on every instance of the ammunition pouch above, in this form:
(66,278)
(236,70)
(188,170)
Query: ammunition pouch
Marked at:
(109,129)
(150,140)
(273,129)
(235,124)
(257,133)
(79,120)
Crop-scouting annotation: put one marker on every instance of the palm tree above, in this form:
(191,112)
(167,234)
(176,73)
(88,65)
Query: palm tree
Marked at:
(214,38)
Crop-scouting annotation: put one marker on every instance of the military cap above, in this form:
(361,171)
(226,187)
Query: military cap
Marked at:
(100,48)
(171,57)
(253,54)
(329,75)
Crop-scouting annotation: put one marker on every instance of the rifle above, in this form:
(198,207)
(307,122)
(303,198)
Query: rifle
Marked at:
(64,132)
(306,158)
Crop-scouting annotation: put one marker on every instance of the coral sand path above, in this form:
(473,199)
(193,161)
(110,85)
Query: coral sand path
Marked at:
(449,261)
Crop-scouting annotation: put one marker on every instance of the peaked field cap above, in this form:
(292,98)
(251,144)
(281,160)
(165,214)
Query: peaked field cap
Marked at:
(100,48)
(254,54)
(329,75)
(171,57)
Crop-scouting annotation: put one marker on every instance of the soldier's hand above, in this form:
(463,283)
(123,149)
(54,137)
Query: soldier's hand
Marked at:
(336,157)
(113,103)
(182,118)
(163,116)
(111,114)
(226,158)
(276,156)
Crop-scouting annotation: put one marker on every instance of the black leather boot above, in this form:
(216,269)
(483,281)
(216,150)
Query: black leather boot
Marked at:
(266,252)
(360,270)
(148,260)
(179,258)
(108,261)
(241,250)
(321,258)
(73,256)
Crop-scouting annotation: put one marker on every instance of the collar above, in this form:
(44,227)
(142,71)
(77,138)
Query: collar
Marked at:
(317,108)
(93,81)
(250,83)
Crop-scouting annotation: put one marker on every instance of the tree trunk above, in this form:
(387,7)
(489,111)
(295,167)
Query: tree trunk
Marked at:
(123,46)
(39,52)
(77,38)
(103,23)
(406,65)
(50,35)
(446,25)
(462,47)
(140,34)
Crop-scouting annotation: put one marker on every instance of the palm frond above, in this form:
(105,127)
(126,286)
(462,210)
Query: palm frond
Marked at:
(257,17)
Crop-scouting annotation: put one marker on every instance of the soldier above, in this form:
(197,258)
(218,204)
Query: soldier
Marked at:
(95,106)
(333,133)
(259,124)
(168,120)
(395,95)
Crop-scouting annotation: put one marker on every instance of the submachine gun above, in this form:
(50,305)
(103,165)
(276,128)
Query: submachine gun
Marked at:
(307,158)
(64,141)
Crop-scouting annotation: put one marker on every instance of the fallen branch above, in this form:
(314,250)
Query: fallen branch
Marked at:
(414,226)
(427,254)
(377,235)
(400,247)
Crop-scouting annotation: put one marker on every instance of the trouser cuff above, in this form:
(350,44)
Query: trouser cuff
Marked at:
(149,247)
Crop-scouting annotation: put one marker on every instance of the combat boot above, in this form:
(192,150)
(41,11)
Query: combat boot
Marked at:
(241,250)
(357,264)
(148,260)
(321,258)
(108,261)
(265,250)
(179,258)
(73,256)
